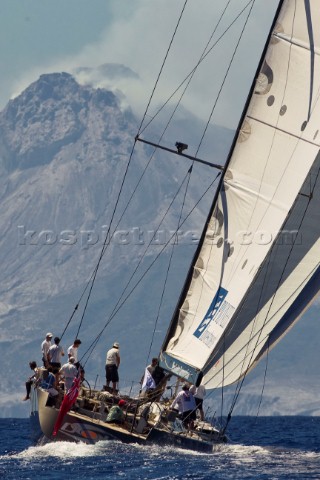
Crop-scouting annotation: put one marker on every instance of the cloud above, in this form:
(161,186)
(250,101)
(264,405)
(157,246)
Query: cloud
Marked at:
(138,39)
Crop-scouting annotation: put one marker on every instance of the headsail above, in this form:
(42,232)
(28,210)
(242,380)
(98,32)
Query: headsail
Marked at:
(258,263)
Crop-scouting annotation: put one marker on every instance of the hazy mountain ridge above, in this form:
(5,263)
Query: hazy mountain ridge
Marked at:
(55,207)
(64,149)
(57,142)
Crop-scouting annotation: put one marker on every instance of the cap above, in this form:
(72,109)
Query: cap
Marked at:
(116,344)
(71,359)
(121,403)
(49,335)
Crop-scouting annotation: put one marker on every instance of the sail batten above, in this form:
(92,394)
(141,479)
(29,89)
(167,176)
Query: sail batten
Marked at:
(296,42)
(286,132)
(251,274)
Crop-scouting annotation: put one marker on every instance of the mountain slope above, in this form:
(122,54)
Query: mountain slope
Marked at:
(64,151)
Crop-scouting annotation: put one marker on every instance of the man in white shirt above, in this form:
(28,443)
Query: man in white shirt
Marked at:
(112,365)
(187,406)
(54,356)
(45,345)
(147,380)
(68,372)
(73,351)
(199,393)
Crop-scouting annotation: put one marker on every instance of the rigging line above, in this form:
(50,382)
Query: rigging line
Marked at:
(261,395)
(79,301)
(264,379)
(175,109)
(155,232)
(169,265)
(147,166)
(240,261)
(151,240)
(258,333)
(253,327)
(92,279)
(309,275)
(77,305)
(192,71)
(203,56)
(105,243)
(251,336)
(215,103)
(186,87)
(178,103)
(212,111)
(151,157)
(312,53)
(153,152)
(274,248)
(222,389)
(72,315)
(94,275)
(93,345)
(162,66)
(160,138)
(167,125)
(276,289)
(131,196)
(190,77)
(225,76)
(154,261)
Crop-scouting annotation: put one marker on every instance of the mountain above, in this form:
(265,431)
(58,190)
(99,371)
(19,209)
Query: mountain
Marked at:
(64,151)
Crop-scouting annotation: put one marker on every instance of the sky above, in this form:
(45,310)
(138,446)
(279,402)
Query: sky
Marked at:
(45,36)
(42,36)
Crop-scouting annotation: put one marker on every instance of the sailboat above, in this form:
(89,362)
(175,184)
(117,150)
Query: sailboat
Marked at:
(256,268)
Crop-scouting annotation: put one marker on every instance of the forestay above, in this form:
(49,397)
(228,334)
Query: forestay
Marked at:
(258,265)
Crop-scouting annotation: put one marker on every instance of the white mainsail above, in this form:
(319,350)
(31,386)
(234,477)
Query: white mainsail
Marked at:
(260,252)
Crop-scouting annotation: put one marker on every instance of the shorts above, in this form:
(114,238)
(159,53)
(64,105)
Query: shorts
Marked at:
(187,416)
(199,402)
(112,373)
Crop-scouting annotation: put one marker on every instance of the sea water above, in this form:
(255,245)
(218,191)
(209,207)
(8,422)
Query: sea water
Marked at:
(270,448)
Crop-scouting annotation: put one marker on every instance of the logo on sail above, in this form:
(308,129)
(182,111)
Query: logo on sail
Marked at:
(218,314)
